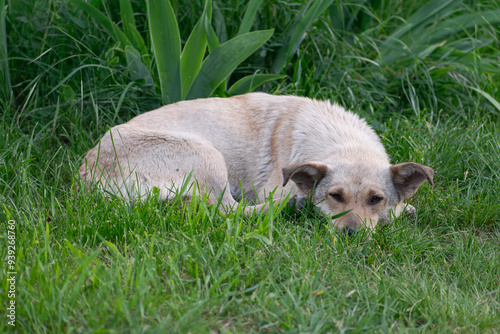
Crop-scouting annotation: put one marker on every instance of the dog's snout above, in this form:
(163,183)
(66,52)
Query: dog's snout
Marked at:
(349,230)
(350,227)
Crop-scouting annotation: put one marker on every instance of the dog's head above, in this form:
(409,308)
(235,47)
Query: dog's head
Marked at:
(371,194)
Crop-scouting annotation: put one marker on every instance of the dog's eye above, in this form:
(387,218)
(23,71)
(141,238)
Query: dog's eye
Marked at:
(375,199)
(336,197)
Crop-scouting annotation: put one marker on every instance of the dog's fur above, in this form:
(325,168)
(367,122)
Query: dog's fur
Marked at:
(249,145)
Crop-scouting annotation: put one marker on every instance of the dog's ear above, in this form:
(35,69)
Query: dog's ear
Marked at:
(408,176)
(305,175)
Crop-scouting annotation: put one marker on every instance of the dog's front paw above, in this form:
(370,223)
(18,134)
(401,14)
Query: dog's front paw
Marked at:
(410,210)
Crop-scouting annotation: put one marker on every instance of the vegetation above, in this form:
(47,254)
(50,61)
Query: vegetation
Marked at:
(424,74)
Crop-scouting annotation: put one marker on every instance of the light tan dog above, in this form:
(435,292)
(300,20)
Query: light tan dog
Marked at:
(249,145)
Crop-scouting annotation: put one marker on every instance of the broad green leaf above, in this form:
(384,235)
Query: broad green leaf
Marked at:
(5,84)
(166,44)
(194,50)
(136,67)
(251,82)
(219,23)
(103,20)
(224,60)
(298,33)
(130,30)
(213,41)
(249,17)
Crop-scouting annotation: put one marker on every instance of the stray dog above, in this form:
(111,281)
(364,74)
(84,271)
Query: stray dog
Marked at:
(249,145)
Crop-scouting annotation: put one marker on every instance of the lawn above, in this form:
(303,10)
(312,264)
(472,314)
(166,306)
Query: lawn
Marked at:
(425,75)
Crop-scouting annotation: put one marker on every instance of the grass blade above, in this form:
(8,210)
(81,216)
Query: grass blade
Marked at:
(338,16)
(224,60)
(395,43)
(343,16)
(194,50)
(66,78)
(103,20)
(297,34)
(5,84)
(488,97)
(436,9)
(260,237)
(462,23)
(166,43)
(251,82)
(249,17)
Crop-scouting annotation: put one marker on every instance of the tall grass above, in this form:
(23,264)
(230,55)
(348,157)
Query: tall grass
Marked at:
(5,84)
(89,262)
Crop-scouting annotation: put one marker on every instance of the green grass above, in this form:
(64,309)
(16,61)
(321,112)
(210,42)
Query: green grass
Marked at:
(86,262)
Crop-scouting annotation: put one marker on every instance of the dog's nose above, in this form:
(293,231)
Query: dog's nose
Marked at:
(349,230)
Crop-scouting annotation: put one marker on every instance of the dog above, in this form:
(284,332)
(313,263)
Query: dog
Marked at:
(249,145)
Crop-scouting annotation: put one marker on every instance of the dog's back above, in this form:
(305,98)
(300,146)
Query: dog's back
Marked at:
(256,130)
